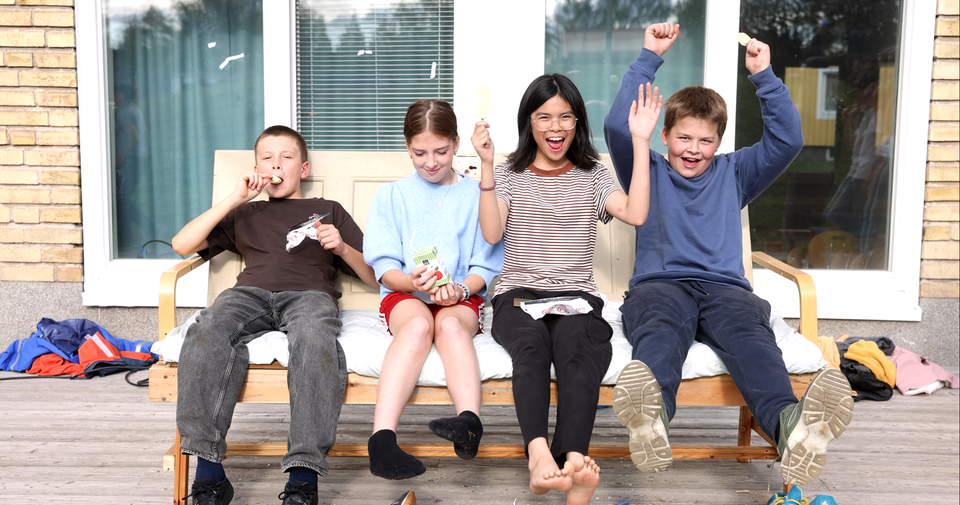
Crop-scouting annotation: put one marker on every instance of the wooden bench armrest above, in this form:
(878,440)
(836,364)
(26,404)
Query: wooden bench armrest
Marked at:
(808,293)
(168,292)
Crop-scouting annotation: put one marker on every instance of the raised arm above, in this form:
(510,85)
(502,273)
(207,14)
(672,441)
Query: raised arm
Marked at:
(493,212)
(644,112)
(193,236)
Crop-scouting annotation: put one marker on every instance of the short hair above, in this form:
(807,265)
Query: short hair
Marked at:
(581,152)
(697,102)
(434,116)
(283,131)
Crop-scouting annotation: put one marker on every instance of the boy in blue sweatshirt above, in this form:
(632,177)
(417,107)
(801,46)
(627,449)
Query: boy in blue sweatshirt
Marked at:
(688,280)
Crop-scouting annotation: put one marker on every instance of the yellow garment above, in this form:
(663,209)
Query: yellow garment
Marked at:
(867,353)
(830,352)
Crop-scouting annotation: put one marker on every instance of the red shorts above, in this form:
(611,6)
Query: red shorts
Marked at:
(392,299)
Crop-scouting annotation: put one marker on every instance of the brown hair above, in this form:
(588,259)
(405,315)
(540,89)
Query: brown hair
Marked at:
(434,116)
(283,131)
(697,102)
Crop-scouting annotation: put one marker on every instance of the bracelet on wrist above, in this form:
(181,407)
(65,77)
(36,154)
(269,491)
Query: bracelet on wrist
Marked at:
(489,188)
(466,291)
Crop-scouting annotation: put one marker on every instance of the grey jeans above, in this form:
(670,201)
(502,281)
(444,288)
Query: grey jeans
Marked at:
(214,360)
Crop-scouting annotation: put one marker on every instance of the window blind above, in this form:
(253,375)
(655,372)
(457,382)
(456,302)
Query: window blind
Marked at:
(360,64)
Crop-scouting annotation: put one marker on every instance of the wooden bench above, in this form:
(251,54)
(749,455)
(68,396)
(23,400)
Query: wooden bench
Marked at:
(353,179)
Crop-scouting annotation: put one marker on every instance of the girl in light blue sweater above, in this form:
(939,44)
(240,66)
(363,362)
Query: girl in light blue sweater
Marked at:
(434,207)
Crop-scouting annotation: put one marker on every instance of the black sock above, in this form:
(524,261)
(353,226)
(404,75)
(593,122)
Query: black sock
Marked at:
(388,460)
(301,474)
(464,431)
(209,470)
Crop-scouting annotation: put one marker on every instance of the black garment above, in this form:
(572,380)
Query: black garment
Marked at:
(864,381)
(885,344)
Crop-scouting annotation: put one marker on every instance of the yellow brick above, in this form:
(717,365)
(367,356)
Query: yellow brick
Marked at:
(23,195)
(58,19)
(69,274)
(60,177)
(27,273)
(65,196)
(943,174)
(19,17)
(4,215)
(13,176)
(62,3)
(64,118)
(56,99)
(7,2)
(17,98)
(944,132)
(51,79)
(941,194)
(940,111)
(56,60)
(937,232)
(941,212)
(940,270)
(52,158)
(945,90)
(11,157)
(944,7)
(947,27)
(53,236)
(21,39)
(946,47)
(11,235)
(3,137)
(955,234)
(26,215)
(928,251)
(62,255)
(25,118)
(941,289)
(23,138)
(57,215)
(943,152)
(20,255)
(19,59)
(58,138)
(946,69)
(61,39)
(9,78)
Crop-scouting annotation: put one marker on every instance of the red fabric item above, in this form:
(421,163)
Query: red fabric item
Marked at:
(392,299)
(51,364)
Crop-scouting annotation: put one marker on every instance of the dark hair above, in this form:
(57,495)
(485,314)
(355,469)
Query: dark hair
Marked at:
(434,116)
(283,131)
(581,152)
(697,102)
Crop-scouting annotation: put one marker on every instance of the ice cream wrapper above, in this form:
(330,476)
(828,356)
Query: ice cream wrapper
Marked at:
(560,305)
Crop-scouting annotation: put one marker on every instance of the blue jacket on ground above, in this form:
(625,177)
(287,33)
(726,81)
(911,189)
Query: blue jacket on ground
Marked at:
(693,228)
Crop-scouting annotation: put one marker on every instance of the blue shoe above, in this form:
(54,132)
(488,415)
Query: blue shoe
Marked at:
(823,499)
(794,497)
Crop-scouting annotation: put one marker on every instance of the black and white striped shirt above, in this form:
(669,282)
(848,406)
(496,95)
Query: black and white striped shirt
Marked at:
(551,230)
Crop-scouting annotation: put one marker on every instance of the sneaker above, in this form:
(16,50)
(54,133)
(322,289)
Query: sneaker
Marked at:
(793,497)
(805,428)
(298,493)
(638,404)
(208,492)
(407,499)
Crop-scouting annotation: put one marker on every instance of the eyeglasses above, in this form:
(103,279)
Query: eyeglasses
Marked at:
(566,122)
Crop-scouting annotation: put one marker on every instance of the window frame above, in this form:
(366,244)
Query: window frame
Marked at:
(861,295)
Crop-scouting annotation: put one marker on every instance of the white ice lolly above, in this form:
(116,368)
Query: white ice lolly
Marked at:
(743,39)
(483,102)
(276,180)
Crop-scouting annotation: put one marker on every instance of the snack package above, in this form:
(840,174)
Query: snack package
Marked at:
(300,231)
(428,256)
(559,305)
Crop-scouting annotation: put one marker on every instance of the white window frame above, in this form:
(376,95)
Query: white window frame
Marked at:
(507,65)
(823,78)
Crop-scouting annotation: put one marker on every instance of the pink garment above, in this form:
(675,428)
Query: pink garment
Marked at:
(915,374)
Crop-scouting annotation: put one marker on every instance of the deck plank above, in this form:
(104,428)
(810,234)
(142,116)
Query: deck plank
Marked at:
(102,441)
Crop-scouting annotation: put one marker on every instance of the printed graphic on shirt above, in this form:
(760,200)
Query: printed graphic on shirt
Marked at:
(306,229)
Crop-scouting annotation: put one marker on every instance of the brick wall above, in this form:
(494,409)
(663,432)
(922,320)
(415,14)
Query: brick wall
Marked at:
(939,268)
(40,231)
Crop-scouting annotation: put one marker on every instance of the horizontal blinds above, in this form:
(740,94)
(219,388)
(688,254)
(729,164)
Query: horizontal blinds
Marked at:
(360,64)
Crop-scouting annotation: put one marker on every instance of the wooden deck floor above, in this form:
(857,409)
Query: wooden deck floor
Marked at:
(102,442)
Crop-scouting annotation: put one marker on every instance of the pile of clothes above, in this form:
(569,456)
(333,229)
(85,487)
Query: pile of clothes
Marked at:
(874,366)
(76,347)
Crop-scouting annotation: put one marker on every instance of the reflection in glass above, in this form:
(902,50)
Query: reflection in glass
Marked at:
(831,209)
(185,78)
(593,43)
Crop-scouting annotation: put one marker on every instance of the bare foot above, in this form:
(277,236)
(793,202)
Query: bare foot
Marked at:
(546,475)
(586,478)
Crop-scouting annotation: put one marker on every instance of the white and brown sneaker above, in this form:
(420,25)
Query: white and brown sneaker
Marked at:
(639,407)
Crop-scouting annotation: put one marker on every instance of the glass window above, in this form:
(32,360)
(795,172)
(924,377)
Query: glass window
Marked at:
(362,63)
(594,41)
(832,208)
(185,78)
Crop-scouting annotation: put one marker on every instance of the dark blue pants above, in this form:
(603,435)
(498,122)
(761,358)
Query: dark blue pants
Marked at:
(662,318)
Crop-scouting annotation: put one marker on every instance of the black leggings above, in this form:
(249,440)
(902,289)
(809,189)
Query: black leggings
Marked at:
(578,346)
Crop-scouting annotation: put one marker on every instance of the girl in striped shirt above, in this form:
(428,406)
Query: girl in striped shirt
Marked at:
(545,201)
